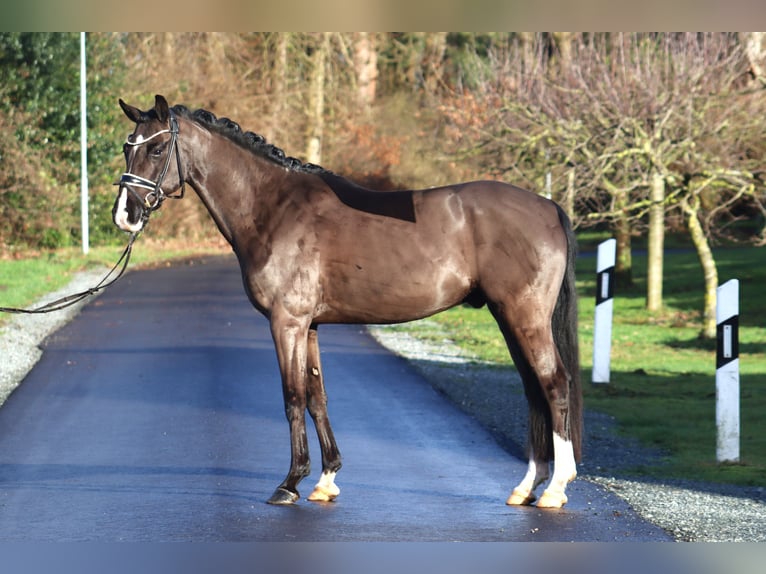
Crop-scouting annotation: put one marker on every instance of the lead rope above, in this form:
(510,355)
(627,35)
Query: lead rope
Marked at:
(70,300)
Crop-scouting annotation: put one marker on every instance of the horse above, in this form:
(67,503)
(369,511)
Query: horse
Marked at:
(315,248)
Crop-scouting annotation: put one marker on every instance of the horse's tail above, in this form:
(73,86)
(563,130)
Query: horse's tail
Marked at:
(565,335)
(564,326)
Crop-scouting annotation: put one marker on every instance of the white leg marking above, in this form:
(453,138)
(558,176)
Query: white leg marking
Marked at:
(564,471)
(565,468)
(326,489)
(121,218)
(537,472)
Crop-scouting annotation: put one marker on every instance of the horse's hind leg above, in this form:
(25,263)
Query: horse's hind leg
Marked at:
(546,383)
(538,468)
(553,381)
(325,490)
(538,472)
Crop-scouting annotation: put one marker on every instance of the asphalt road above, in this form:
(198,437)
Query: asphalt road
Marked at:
(156,415)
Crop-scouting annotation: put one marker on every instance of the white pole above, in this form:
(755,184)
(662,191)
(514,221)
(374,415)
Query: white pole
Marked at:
(727,372)
(547,178)
(602,327)
(83,149)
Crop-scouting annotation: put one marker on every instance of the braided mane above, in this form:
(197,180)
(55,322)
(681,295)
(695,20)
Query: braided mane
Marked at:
(249,140)
(395,204)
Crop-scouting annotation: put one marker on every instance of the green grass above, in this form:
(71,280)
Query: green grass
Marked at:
(24,280)
(662,388)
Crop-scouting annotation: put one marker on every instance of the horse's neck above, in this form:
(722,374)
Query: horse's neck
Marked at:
(234,185)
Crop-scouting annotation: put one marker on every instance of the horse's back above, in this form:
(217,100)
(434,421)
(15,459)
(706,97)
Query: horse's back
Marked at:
(518,239)
(497,199)
(496,214)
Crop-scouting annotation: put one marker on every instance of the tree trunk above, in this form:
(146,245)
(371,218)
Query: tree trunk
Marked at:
(316,101)
(564,42)
(570,194)
(527,51)
(279,82)
(366,68)
(656,244)
(691,210)
(168,40)
(755,48)
(623,270)
(432,65)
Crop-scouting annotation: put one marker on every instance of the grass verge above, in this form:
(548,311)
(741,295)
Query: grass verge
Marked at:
(25,279)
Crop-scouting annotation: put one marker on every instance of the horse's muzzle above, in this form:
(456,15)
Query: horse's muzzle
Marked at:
(128,215)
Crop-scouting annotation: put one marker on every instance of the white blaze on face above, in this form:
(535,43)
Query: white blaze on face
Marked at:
(121,217)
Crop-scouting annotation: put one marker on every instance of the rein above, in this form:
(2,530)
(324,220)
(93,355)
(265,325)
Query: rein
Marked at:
(151,202)
(70,300)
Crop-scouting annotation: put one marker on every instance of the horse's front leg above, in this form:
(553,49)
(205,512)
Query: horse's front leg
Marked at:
(290,339)
(325,490)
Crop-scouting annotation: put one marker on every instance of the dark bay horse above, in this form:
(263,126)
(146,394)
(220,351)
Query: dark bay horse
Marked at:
(315,248)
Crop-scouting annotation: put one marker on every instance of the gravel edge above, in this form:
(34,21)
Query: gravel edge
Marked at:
(688,511)
(21,337)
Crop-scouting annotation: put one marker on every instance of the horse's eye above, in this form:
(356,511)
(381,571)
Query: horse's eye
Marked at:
(157,151)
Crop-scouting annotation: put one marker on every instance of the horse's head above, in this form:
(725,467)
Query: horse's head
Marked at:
(148,153)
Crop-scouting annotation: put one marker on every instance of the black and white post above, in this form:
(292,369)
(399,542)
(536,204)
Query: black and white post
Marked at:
(727,372)
(602,327)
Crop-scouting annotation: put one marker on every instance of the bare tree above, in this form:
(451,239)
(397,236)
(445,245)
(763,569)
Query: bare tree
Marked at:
(636,124)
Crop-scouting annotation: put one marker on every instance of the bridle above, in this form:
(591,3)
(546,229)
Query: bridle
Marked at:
(153,200)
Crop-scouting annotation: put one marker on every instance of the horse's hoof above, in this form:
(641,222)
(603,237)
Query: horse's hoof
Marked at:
(552,499)
(282,497)
(520,498)
(325,490)
(321,494)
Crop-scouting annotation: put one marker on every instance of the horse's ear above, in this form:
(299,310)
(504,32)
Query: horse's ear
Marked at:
(161,108)
(133,113)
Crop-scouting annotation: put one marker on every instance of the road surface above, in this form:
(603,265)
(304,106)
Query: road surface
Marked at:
(156,415)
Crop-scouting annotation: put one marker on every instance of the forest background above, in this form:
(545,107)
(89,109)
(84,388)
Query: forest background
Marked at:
(633,133)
